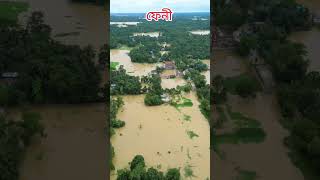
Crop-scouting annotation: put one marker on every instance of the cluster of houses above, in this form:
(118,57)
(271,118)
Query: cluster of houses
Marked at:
(172,71)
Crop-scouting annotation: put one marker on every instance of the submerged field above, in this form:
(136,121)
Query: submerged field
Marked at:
(162,135)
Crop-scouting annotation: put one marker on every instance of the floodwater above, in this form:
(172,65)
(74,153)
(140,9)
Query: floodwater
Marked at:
(159,133)
(311,39)
(134,69)
(75,145)
(151,34)
(227,63)
(124,24)
(87,21)
(207,73)
(200,32)
(172,83)
(268,159)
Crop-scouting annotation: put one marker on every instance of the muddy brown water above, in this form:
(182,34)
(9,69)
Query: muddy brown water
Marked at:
(227,64)
(75,145)
(134,69)
(64,16)
(159,133)
(268,159)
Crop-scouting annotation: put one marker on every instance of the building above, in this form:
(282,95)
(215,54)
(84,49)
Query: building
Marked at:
(169,65)
(9,77)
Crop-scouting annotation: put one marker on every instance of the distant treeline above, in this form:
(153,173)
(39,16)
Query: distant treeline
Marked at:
(92,1)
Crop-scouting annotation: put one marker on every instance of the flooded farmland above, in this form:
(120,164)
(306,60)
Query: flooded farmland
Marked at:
(160,134)
(135,69)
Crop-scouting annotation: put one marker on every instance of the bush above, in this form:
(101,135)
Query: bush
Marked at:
(152,99)
(116,123)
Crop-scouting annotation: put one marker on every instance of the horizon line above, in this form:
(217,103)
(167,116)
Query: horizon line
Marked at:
(173,12)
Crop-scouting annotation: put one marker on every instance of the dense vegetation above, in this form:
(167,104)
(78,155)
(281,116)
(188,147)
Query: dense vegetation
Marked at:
(182,43)
(15,137)
(122,83)
(138,171)
(115,104)
(286,14)
(154,90)
(49,72)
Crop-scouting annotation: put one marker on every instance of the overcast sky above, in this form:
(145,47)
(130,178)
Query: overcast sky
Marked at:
(143,6)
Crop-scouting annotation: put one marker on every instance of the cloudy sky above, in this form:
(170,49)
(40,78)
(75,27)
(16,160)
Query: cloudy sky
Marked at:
(143,6)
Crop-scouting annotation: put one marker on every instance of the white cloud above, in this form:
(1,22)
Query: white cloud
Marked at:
(143,6)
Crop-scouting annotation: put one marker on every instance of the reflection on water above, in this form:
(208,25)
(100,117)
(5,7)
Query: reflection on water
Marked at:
(159,134)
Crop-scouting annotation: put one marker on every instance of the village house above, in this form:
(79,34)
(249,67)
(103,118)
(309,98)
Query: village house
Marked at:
(165,98)
(9,77)
(169,65)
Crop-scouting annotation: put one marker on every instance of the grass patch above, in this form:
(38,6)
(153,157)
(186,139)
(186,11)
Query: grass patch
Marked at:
(113,65)
(184,102)
(245,130)
(186,117)
(246,175)
(241,136)
(231,82)
(242,121)
(192,134)
(188,172)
